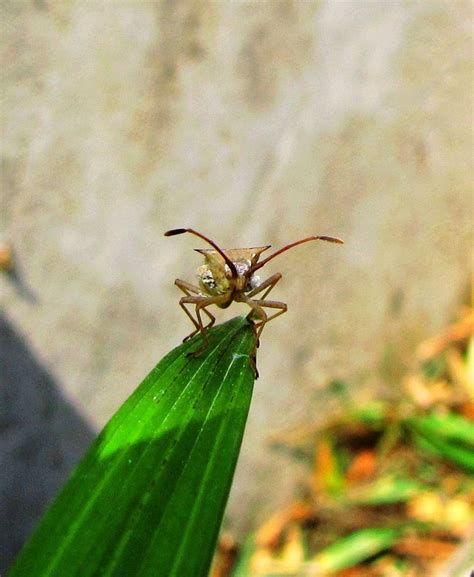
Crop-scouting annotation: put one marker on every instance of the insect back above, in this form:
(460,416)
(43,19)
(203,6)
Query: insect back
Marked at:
(215,276)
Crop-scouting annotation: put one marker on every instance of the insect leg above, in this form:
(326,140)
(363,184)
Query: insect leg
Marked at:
(201,302)
(267,284)
(212,318)
(271,305)
(188,288)
(257,311)
(257,306)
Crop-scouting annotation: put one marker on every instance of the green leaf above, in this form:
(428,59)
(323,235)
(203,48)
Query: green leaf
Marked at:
(354,548)
(385,490)
(450,427)
(448,436)
(446,450)
(242,566)
(148,498)
(373,414)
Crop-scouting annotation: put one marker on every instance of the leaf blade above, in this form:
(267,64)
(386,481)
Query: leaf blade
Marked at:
(127,500)
(354,548)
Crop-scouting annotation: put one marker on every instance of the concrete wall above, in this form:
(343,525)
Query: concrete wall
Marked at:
(255,122)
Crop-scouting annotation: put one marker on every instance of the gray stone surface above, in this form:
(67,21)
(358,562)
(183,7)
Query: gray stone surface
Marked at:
(256,123)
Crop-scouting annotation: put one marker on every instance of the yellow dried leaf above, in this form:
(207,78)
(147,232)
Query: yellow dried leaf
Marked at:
(459,331)
(270,533)
(418,390)
(426,507)
(6,257)
(262,561)
(325,473)
(458,515)
(292,554)
(362,467)
(458,370)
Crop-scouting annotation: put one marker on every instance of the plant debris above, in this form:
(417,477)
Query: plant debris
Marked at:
(390,489)
(6,257)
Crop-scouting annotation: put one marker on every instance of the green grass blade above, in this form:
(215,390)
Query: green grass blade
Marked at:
(355,548)
(385,490)
(148,498)
(450,427)
(448,436)
(445,450)
(242,565)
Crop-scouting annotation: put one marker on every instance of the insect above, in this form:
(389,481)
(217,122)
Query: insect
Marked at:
(228,275)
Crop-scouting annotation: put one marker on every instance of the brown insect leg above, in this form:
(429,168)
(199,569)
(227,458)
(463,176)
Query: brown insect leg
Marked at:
(201,302)
(271,305)
(257,306)
(266,286)
(188,288)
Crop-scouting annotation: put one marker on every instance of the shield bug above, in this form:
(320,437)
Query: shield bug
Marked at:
(228,275)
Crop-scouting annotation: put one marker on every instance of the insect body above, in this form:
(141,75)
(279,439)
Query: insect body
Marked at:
(215,275)
(229,275)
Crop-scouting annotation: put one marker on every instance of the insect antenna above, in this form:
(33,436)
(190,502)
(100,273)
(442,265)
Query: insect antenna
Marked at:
(227,260)
(288,246)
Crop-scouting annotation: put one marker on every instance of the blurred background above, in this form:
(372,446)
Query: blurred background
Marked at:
(256,123)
